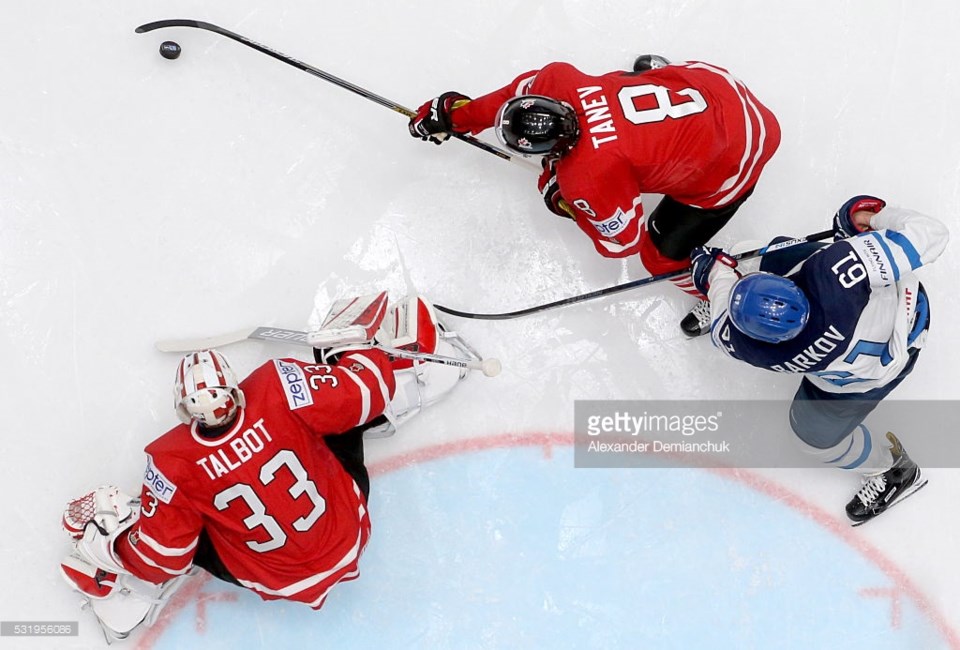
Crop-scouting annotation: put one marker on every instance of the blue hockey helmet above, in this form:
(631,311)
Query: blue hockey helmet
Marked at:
(768,307)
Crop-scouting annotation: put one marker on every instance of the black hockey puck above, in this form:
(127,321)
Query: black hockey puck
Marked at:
(169,50)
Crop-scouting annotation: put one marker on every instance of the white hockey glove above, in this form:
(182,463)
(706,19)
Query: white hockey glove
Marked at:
(96,520)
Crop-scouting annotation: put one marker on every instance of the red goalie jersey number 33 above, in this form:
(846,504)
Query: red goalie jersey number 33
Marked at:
(283,515)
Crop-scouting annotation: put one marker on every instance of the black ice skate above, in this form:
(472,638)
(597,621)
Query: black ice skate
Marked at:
(646,62)
(697,322)
(883,491)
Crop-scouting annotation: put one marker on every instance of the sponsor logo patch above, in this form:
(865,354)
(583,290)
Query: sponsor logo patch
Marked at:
(612,226)
(294,384)
(157,483)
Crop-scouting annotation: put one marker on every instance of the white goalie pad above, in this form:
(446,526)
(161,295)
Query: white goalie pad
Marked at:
(423,384)
(411,326)
(121,603)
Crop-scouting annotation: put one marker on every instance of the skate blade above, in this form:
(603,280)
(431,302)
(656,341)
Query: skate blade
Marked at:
(916,487)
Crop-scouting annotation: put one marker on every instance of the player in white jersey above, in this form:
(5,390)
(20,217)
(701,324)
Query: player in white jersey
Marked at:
(851,317)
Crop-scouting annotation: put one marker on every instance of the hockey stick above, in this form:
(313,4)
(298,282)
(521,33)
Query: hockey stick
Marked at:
(489,367)
(609,291)
(326,76)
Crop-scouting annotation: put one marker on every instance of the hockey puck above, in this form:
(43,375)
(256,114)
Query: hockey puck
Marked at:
(169,50)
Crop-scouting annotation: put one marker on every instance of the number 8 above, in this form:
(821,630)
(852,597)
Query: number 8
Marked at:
(664,109)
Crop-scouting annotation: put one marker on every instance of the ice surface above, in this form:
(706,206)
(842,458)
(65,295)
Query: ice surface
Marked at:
(142,198)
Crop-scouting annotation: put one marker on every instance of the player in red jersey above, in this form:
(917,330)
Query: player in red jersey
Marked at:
(690,131)
(264,483)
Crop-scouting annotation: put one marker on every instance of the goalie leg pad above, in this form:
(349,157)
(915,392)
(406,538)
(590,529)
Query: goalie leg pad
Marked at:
(91,581)
(421,385)
(136,603)
(120,602)
(411,325)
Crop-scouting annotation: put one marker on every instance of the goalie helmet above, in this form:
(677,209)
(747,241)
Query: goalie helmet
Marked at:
(768,307)
(206,389)
(533,124)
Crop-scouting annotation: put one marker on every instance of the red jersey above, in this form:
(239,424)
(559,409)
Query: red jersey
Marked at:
(689,130)
(281,512)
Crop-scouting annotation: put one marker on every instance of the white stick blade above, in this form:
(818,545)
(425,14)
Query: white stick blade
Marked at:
(204,342)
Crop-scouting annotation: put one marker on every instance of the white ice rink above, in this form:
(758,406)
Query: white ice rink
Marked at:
(142,198)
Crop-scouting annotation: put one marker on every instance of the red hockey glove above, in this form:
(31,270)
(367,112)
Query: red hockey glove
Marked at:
(432,121)
(550,189)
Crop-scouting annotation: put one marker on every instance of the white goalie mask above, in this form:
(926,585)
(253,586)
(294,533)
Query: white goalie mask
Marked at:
(206,389)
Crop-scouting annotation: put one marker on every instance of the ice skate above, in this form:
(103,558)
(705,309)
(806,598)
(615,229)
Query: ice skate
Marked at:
(697,322)
(646,62)
(882,491)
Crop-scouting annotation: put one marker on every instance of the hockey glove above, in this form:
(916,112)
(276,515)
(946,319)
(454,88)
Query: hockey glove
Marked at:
(432,121)
(550,189)
(843,225)
(111,512)
(703,259)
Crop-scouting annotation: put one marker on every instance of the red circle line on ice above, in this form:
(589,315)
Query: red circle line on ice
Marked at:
(901,583)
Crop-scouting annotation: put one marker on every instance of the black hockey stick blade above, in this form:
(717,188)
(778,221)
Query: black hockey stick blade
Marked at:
(326,76)
(609,291)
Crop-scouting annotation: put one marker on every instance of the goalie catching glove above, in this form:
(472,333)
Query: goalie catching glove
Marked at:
(96,520)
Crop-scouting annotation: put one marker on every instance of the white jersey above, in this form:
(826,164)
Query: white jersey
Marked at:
(867,309)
